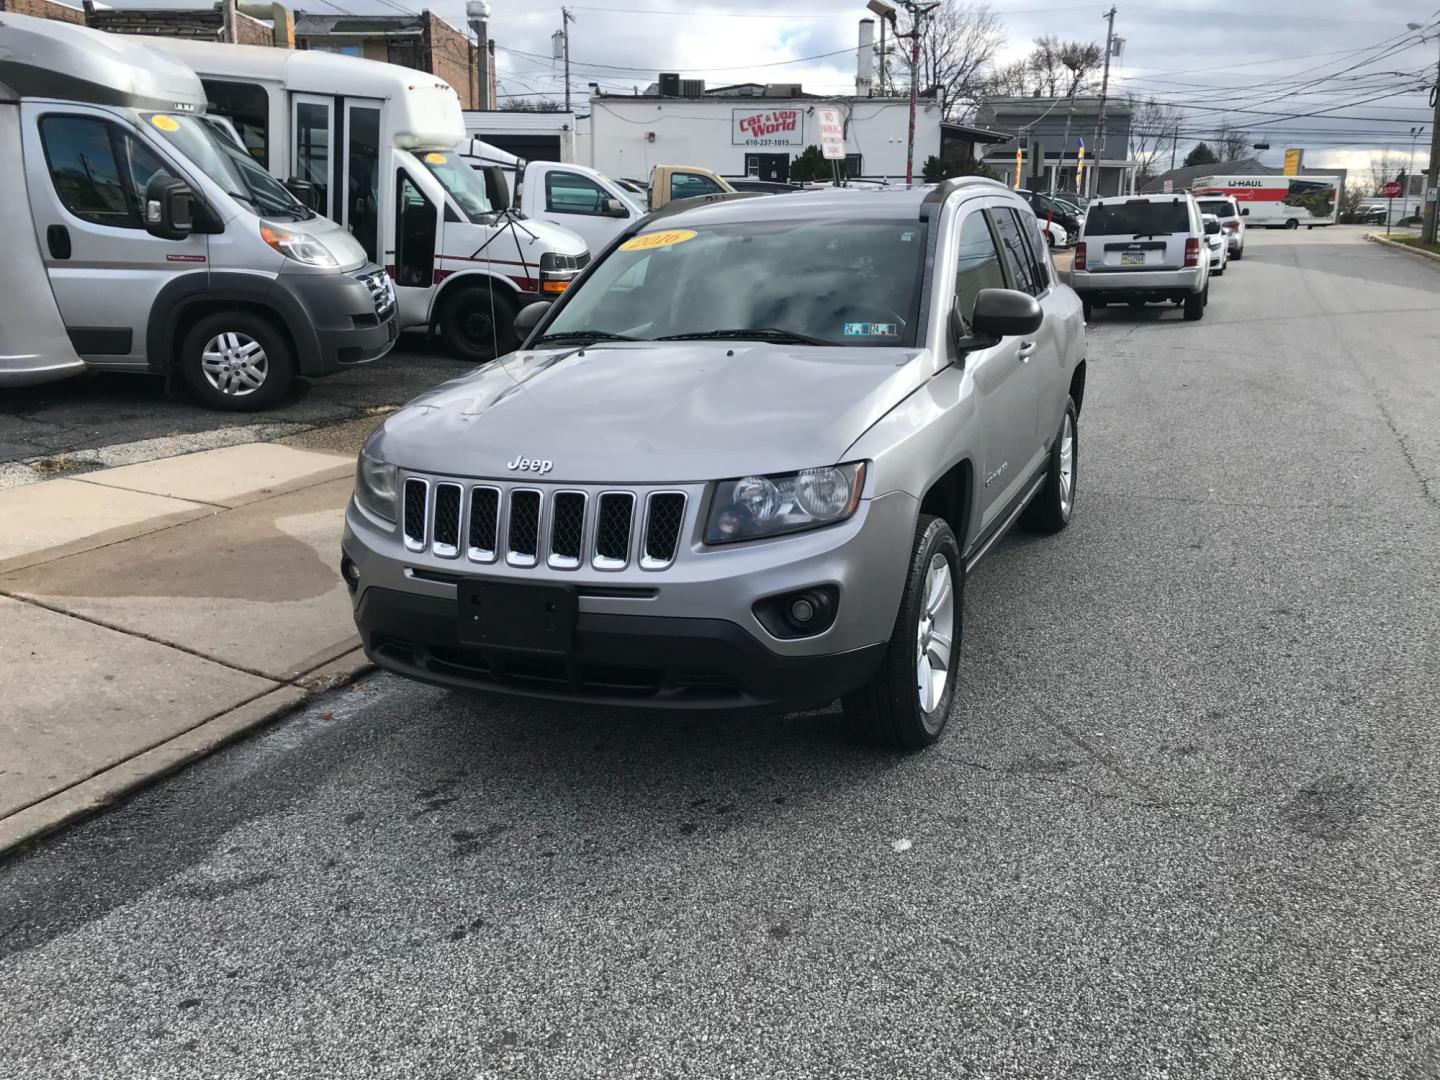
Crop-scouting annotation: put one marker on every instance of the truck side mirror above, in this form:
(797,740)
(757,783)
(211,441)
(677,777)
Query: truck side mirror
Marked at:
(169,208)
(1245,212)
(304,192)
(615,208)
(529,316)
(1001,313)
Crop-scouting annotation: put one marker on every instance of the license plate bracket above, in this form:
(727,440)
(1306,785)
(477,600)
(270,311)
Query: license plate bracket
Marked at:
(519,617)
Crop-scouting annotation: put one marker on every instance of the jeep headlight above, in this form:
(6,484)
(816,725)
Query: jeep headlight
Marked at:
(297,246)
(755,506)
(376,486)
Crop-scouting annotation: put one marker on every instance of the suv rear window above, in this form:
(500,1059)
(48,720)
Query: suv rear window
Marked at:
(1137,218)
(1221,208)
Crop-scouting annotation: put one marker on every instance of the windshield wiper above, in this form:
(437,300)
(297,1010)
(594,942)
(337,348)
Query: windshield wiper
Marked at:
(588,335)
(760,333)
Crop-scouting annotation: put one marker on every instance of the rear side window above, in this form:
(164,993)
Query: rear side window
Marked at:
(1138,217)
(977,265)
(1018,255)
(99,171)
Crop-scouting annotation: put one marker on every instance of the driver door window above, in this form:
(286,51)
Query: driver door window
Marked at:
(689,185)
(977,265)
(570,193)
(99,171)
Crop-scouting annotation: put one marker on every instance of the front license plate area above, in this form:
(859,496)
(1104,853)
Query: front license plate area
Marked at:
(527,618)
(1132,258)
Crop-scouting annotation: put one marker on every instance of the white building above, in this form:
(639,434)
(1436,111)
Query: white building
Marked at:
(737,132)
(534,136)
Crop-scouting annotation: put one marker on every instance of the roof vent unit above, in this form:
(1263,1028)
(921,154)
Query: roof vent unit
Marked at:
(669,84)
(783,90)
(692,87)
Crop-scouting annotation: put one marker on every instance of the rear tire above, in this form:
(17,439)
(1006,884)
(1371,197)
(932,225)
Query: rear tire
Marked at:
(1292,224)
(1195,306)
(1087,309)
(1049,511)
(1239,252)
(478,324)
(236,361)
(896,708)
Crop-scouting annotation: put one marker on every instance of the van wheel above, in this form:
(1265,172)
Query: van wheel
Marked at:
(1195,305)
(478,324)
(237,361)
(1049,511)
(1292,224)
(907,704)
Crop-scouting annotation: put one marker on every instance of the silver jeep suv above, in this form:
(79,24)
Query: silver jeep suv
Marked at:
(745,463)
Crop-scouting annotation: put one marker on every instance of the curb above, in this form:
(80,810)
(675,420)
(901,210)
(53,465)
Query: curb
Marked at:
(1432,256)
(123,779)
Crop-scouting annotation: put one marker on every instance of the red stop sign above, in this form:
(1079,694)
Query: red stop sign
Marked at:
(1391,190)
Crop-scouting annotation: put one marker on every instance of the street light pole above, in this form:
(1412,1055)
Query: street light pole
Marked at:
(1432,174)
(917,13)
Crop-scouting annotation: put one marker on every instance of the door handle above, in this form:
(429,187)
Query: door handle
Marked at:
(1026,349)
(58,239)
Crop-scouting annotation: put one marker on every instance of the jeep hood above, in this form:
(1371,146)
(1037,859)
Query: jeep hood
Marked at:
(653,413)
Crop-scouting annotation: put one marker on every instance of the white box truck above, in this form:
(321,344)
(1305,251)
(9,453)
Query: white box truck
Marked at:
(380,147)
(1279,202)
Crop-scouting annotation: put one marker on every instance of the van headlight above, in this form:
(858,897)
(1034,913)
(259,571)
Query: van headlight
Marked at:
(755,506)
(297,246)
(377,487)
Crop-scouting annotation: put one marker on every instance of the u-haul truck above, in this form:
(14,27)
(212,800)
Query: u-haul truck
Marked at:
(1285,202)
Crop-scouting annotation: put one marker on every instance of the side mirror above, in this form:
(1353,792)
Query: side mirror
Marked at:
(169,208)
(1245,211)
(1001,313)
(304,192)
(1211,228)
(496,189)
(615,208)
(529,316)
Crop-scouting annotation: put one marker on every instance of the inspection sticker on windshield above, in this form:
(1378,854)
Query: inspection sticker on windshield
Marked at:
(435,159)
(658,239)
(871,329)
(165,123)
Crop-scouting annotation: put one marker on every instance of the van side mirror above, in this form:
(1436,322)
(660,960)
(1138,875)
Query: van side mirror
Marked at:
(304,192)
(1001,313)
(496,189)
(615,208)
(169,208)
(529,316)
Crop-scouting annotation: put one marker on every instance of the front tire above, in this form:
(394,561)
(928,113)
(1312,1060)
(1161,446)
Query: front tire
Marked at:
(236,361)
(1292,224)
(906,705)
(1050,510)
(478,324)
(1087,309)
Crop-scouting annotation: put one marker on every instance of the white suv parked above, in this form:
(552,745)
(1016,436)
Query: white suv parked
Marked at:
(1141,249)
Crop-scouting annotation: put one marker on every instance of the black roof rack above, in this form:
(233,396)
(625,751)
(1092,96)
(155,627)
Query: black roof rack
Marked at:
(943,190)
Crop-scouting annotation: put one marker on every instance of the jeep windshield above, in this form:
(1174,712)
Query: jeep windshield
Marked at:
(804,283)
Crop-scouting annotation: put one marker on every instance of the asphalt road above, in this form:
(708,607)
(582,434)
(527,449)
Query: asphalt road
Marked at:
(1185,824)
(60,419)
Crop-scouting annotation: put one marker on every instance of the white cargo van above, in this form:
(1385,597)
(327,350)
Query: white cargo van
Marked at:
(1284,202)
(139,238)
(379,145)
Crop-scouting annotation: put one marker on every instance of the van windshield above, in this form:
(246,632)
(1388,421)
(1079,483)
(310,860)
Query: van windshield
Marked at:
(792,282)
(1137,217)
(463,183)
(215,154)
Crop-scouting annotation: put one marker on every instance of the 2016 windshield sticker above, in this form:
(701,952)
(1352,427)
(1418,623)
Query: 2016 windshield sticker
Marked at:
(871,329)
(165,123)
(658,239)
(435,159)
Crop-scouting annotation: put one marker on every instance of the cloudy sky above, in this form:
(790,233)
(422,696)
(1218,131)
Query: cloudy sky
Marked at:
(1217,58)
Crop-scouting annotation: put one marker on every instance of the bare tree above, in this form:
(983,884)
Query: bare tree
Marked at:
(1012,80)
(1230,143)
(957,52)
(1154,127)
(1060,68)
(1384,166)
(524,104)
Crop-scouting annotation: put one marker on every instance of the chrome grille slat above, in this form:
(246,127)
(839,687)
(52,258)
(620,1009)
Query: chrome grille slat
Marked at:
(445,523)
(522,535)
(613,528)
(483,542)
(664,520)
(416,513)
(567,530)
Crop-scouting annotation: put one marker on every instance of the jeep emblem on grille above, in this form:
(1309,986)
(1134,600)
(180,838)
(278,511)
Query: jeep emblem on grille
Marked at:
(525,464)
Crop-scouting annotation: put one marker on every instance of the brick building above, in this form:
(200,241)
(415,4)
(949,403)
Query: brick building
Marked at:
(201,23)
(424,42)
(44,9)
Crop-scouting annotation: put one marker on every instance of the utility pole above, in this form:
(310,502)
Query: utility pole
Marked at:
(1174,144)
(566,19)
(477,12)
(1104,92)
(1432,174)
(228,21)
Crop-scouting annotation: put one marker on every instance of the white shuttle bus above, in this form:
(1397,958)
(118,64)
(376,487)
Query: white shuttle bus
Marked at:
(377,147)
(1284,202)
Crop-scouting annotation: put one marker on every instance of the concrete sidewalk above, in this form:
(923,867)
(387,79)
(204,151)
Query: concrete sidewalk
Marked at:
(151,612)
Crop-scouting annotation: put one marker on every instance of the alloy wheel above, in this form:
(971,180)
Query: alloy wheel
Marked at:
(933,644)
(234,364)
(1067,465)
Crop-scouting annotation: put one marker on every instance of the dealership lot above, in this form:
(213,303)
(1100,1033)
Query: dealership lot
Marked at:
(1184,824)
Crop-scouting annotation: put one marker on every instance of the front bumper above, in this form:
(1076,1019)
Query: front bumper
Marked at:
(344,326)
(685,637)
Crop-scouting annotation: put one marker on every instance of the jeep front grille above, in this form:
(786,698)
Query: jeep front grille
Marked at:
(561,528)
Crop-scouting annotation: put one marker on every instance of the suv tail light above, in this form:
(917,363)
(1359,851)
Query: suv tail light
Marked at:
(1080,256)
(1192,251)
(1233,223)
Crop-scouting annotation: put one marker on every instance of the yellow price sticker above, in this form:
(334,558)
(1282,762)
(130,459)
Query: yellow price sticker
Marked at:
(435,159)
(165,123)
(658,239)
